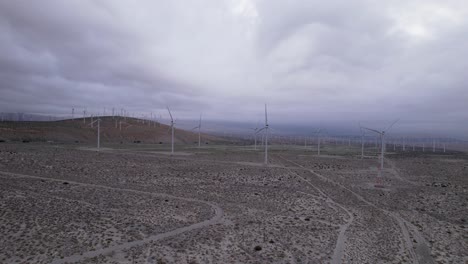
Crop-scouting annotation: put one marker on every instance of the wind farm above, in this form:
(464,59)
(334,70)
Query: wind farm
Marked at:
(291,203)
(228,131)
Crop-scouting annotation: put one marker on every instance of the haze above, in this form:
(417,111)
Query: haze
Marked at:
(317,62)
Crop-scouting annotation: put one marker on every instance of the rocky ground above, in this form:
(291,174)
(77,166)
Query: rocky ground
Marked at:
(220,205)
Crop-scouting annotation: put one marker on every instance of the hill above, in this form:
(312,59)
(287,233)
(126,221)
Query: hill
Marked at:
(113,129)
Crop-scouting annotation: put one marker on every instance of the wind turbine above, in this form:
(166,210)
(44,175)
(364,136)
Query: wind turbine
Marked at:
(172,130)
(256,131)
(199,132)
(318,140)
(266,135)
(362,141)
(98,120)
(382,142)
(125,123)
(84,116)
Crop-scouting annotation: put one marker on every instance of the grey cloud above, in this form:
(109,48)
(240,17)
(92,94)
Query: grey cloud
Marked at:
(320,60)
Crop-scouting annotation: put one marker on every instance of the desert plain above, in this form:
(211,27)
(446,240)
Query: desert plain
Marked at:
(135,203)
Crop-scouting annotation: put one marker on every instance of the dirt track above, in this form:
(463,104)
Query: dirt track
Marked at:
(300,208)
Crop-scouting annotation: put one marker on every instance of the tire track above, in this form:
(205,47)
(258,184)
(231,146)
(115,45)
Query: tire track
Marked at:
(421,255)
(104,251)
(338,252)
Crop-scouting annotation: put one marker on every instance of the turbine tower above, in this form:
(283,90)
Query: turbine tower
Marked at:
(318,140)
(199,132)
(256,131)
(172,131)
(266,127)
(362,141)
(98,120)
(266,135)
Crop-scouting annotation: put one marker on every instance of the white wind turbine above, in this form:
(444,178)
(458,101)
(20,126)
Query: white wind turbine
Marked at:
(266,127)
(84,116)
(256,131)
(318,140)
(125,123)
(98,120)
(172,131)
(382,143)
(363,133)
(199,132)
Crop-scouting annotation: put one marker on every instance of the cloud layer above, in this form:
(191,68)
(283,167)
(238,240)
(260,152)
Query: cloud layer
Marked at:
(311,61)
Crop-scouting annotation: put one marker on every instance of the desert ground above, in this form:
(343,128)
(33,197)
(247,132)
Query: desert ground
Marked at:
(135,203)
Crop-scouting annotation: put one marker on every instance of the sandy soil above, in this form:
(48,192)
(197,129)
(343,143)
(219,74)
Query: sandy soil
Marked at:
(216,205)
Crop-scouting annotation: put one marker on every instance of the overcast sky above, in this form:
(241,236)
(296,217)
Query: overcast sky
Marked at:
(310,61)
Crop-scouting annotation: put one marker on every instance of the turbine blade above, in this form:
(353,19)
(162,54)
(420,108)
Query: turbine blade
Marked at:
(258,131)
(394,122)
(373,130)
(169,113)
(360,128)
(90,124)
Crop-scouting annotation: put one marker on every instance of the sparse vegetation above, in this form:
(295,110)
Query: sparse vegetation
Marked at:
(70,201)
